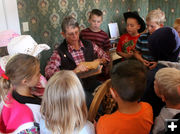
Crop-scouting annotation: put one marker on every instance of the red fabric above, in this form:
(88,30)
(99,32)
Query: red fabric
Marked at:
(127,43)
(100,38)
(120,123)
(13,115)
(78,56)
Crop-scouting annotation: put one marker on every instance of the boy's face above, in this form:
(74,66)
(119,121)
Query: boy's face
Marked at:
(152,26)
(178,30)
(132,26)
(95,22)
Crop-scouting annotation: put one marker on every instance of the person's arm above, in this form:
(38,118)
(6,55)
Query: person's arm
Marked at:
(102,55)
(119,49)
(138,56)
(152,65)
(27,128)
(125,55)
(138,49)
(53,64)
(107,44)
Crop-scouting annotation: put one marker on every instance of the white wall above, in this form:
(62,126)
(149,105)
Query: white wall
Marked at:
(9,18)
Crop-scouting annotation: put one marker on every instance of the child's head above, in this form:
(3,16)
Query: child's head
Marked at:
(164,44)
(24,44)
(177,25)
(154,20)
(95,19)
(167,84)
(63,105)
(134,23)
(20,69)
(129,80)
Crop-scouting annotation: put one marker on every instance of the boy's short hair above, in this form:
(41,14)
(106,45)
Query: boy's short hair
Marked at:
(129,79)
(176,23)
(157,16)
(96,12)
(168,79)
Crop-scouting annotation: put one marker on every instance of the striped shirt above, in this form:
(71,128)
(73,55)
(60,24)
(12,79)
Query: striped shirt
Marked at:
(78,56)
(142,46)
(99,38)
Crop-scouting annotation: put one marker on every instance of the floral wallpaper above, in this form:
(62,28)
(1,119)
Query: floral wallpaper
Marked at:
(45,16)
(170,7)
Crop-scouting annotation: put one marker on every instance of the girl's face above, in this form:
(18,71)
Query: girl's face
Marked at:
(35,78)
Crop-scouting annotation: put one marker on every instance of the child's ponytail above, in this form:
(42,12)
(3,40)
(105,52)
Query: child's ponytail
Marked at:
(5,86)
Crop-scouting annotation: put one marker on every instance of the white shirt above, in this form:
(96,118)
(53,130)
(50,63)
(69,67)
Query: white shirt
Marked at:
(87,129)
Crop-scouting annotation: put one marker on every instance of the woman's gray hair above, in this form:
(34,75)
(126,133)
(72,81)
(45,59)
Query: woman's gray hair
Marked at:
(69,21)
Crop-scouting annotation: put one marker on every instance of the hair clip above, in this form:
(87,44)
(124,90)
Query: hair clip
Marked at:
(5,76)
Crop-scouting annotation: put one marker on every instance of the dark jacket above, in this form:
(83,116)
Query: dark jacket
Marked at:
(68,63)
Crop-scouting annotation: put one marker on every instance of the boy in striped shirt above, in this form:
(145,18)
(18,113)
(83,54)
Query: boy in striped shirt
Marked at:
(94,32)
(154,20)
(98,36)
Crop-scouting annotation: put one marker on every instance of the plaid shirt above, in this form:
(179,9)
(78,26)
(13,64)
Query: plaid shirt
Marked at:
(78,56)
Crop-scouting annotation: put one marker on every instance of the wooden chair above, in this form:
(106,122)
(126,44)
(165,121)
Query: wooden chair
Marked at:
(113,56)
(99,95)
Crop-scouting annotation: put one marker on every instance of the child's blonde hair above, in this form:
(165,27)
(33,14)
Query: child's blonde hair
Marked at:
(168,79)
(19,67)
(63,106)
(157,16)
(176,23)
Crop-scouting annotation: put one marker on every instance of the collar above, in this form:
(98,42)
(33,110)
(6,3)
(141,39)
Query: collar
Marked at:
(26,99)
(71,49)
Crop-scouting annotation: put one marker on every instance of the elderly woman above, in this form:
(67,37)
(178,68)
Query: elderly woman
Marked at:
(73,51)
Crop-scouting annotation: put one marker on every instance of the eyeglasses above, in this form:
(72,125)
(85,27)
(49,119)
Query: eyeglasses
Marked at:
(73,33)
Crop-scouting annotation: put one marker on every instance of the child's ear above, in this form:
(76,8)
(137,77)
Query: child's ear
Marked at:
(161,25)
(113,93)
(89,20)
(163,98)
(63,34)
(24,81)
(139,26)
(178,90)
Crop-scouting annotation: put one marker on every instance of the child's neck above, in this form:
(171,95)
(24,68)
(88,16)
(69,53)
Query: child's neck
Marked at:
(23,90)
(128,107)
(173,106)
(95,30)
(135,34)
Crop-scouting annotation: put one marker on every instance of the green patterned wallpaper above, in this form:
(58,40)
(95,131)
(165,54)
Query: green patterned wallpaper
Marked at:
(45,16)
(170,7)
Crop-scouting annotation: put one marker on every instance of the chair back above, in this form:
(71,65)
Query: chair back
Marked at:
(98,97)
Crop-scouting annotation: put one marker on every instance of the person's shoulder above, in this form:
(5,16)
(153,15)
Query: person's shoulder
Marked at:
(146,109)
(108,117)
(88,128)
(85,30)
(144,35)
(43,128)
(102,31)
(124,35)
(27,128)
(146,105)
